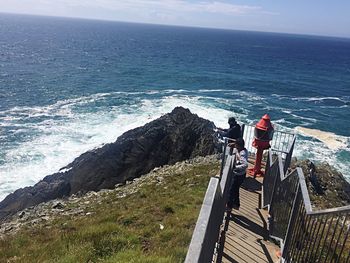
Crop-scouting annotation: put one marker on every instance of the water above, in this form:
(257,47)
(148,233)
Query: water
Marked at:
(68,86)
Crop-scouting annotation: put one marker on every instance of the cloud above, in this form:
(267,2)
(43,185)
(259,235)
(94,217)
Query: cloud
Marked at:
(206,13)
(217,7)
(226,8)
(213,7)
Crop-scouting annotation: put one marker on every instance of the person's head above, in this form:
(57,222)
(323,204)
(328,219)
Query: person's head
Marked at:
(239,144)
(231,121)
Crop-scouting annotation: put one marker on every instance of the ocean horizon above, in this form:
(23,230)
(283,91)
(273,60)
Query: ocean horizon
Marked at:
(70,85)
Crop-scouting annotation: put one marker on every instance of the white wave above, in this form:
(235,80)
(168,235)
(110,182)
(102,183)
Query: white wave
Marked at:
(176,91)
(281,121)
(318,99)
(279,96)
(303,118)
(334,107)
(318,152)
(59,141)
(217,90)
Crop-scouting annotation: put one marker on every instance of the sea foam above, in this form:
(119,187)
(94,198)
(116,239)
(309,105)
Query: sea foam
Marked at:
(331,140)
(53,135)
(57,141)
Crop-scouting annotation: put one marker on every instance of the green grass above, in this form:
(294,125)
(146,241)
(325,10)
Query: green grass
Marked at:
(121,229)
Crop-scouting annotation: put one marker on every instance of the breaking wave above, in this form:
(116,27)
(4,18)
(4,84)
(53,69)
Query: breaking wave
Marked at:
(40,140)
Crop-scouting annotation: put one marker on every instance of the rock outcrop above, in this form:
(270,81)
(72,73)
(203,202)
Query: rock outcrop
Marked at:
(327,187)
(173,137)
(78,206)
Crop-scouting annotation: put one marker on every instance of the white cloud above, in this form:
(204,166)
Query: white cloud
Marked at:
(226,8)
(206,13)
(174,5)
(216,7)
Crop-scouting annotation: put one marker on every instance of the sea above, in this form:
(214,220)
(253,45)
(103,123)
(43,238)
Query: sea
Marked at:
(71,85)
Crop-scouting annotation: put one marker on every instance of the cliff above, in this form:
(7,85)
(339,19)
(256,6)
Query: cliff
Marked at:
(173,137)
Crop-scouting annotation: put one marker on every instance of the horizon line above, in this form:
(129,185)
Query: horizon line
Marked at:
(176,25)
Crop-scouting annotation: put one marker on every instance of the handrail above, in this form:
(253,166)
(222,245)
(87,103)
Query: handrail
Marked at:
(281,142)
(289,155)
(207,229)
(330,210)
(298,227)
(269,179)
(224,155)
(305,235)
(206,232)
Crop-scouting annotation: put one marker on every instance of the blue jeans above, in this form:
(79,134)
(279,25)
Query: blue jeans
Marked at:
(233,199)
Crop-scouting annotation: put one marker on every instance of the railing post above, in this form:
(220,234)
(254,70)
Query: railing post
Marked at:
(289,156)
(279,176)
(269,180)
(291,224)
(223,158)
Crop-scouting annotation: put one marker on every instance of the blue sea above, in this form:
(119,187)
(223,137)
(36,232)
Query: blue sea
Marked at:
(70,85)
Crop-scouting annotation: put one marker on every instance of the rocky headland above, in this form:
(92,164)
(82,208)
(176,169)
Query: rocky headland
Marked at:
(143,191)
(174,137)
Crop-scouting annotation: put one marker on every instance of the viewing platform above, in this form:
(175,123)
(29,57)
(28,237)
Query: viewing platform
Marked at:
(275,222)
(245,235)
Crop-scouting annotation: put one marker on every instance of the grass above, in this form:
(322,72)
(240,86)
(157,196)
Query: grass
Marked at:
(124,229)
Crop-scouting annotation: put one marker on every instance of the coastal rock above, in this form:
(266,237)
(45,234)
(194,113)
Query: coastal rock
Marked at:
(58,205)
(44,215)
(174,137)
(327,187)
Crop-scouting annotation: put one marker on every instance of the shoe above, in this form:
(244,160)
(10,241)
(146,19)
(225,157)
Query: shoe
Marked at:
(228,208)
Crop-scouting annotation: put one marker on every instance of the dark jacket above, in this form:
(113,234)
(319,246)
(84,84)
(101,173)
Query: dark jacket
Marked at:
(233,132)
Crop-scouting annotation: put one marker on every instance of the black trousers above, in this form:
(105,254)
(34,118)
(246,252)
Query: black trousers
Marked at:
(233,199)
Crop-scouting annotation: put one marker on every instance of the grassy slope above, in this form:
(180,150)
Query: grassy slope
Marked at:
(121,229)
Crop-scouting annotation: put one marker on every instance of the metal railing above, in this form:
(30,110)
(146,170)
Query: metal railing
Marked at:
(207,231)
(305,235)
(289,154)
(248,136)
(283,195)
(318,236)
(271,172)
(282,142)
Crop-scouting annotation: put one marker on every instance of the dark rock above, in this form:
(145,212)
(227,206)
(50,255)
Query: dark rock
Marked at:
(327,187)
(314,180)
(21,215)
(43,191)
(173,137)
(58,205)
(9,228)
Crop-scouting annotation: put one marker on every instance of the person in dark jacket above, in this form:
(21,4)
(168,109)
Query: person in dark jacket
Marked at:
(234,132)
(238,174)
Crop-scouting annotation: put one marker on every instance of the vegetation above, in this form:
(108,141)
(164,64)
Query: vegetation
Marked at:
(153,223)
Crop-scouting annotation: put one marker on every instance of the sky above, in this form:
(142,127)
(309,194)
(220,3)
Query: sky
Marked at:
(316,17)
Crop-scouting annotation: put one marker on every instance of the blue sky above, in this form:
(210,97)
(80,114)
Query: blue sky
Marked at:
(320,17)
